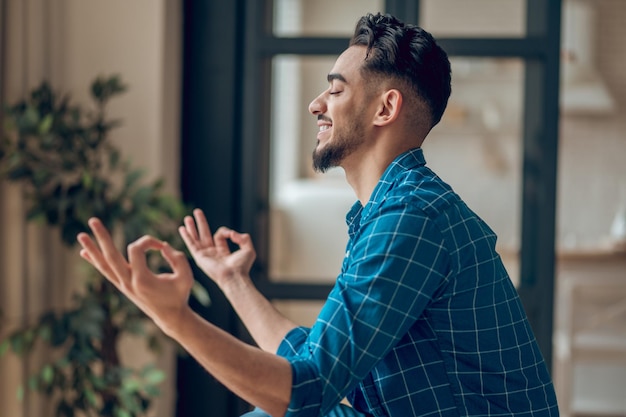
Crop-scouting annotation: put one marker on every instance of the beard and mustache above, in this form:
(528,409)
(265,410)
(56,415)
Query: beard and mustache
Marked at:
(343,143)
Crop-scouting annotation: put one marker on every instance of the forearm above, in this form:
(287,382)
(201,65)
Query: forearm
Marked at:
(259,377)
(266,325)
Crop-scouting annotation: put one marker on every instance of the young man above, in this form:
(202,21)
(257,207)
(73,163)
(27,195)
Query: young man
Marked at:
(423,318)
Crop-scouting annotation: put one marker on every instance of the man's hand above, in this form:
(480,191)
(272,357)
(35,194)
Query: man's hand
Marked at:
(212,253)
(163,297)
(231,272)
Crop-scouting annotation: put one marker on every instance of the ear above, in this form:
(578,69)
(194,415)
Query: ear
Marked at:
(389,107)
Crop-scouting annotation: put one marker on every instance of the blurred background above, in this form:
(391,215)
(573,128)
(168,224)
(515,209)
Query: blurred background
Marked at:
(534,139)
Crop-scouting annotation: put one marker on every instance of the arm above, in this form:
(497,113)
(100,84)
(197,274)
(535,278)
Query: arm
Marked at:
(396,264)
(231,272)
(164,298)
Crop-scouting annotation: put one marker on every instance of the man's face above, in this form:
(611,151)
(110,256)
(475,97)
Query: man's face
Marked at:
(341,111)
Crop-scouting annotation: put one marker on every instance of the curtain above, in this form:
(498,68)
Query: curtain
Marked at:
(37,273)
(33,265)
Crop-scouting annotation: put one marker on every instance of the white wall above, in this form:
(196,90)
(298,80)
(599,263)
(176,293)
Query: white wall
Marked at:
(139,40)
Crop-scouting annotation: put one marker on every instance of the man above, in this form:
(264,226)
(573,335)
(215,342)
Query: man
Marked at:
(423,318)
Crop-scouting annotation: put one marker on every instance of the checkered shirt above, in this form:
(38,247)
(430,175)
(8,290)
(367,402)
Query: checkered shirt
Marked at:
(423,319)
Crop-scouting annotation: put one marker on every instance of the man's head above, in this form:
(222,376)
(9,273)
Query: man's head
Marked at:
(409,54)
(393,78)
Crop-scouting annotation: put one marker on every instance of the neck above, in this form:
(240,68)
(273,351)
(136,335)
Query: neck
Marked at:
(363,177)
(364,169)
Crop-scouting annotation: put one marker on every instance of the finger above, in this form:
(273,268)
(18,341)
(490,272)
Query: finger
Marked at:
(203,227)
(110,254)
(91,253)
(221,238)
(85,255)
(137,251)
(190,227)
(242,239)
(189,241)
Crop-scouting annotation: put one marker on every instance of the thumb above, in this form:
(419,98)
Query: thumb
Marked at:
(137,250)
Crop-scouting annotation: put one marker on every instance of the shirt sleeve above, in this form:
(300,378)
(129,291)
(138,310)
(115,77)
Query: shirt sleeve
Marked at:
(292,342)
(396,264)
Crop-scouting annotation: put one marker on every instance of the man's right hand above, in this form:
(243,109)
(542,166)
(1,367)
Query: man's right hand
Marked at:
(212,253)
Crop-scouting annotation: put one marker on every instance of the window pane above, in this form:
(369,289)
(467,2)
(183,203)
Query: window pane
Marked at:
(307,210)
(303,313)
(476,18)
(477,146)
(320,17)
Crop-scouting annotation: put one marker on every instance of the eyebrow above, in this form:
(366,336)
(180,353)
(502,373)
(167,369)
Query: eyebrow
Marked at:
(335,76)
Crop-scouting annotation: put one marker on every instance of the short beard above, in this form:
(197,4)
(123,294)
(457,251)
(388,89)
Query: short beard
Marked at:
(330,157)
(335,152)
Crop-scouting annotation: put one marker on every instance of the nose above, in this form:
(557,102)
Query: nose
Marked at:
(317,106)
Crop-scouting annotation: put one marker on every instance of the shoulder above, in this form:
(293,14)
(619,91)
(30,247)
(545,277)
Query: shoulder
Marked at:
(421,189)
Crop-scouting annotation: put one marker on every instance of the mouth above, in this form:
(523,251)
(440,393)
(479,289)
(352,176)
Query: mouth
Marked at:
(324,126)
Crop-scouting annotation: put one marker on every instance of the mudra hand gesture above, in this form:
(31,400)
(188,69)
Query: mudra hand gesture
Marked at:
(164,297)
(212,253)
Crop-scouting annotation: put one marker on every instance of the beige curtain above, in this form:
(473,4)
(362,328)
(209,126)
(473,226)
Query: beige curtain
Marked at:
(33,266)
(36,272)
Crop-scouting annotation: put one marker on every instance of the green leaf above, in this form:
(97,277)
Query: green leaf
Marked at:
(114,159)
(133,177)
(62,362)
(135,326)
(103,89)
(41,177)
(47,374)
(92,399)
(201,294)
(46,124)
(33,382)
(29,337)
(154,376)
(154,343)
(87,180)
(60,331)
(98,382)
(152,391)
(119,412)
(131,385)
(17,344)
(45,333)
(142,197)
(4,347)
(29,119)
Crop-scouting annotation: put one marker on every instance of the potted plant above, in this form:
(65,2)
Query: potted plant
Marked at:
(61,154)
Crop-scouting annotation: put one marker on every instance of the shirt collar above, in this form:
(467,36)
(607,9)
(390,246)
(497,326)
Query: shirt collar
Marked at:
(403,162)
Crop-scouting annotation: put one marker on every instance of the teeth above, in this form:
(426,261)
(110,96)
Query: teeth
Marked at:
(324,127)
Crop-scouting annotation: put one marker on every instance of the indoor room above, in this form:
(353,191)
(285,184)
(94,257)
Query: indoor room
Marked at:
(209,108)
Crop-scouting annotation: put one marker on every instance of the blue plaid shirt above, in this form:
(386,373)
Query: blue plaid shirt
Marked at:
(423,319)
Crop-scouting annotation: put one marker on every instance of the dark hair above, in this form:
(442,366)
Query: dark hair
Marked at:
(409,53)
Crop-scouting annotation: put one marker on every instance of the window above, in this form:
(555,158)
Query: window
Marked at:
(501,126)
